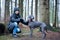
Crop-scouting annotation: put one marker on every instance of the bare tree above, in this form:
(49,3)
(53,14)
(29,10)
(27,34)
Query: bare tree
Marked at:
(28,7)
(55,21)
(46,5)
(21,6)
(7,11)
(36,2)
(15,3)
(0,10)
(31,7)
(44,10)
(11,6)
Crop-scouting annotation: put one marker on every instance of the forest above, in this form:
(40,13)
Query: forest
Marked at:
(47,11)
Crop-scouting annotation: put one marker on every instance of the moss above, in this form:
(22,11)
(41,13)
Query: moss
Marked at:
(56,29)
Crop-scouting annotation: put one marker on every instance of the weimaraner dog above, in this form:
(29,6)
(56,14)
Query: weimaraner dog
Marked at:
(34,24)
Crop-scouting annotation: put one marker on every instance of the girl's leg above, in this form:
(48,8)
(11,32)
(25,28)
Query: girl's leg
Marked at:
(15,29)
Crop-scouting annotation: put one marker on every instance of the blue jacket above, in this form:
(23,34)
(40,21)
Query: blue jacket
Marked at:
(15,17)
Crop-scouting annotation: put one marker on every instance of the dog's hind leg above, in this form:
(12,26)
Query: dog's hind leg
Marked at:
(31,32)
(43,32)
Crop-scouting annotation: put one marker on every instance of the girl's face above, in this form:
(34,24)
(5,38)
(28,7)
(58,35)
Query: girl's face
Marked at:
(17,12)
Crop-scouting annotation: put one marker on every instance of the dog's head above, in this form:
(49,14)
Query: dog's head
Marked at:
(30,18)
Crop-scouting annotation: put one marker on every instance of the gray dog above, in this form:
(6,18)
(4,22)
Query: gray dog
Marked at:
(34,24)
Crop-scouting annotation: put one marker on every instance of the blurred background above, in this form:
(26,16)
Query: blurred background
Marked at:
(47,11)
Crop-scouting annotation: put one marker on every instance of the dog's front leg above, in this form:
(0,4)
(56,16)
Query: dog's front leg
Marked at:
(31,32)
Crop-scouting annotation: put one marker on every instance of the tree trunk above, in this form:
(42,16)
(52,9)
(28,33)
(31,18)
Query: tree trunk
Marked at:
(36,2)
(25,10)
(11,7)
(28,7)
(46,5)
(15,3)
(7,11)
(57,14)
(21,7)
(54,24)
(44,10)
(31,7)
(0,10)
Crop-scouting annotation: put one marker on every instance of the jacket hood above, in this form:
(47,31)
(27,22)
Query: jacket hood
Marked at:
(16,9)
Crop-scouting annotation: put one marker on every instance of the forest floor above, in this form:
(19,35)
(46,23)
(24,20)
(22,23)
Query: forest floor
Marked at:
(36,36)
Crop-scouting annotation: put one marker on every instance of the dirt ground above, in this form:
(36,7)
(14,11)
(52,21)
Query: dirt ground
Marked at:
(53,36)
(37,36)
